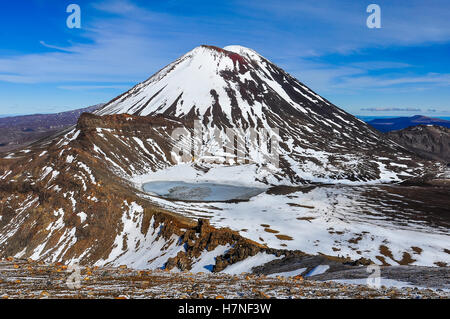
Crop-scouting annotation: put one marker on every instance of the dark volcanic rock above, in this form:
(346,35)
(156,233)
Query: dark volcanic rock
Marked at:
(429,141)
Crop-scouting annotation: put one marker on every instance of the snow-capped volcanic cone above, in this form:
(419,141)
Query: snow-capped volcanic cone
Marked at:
(238,88)
(78,196)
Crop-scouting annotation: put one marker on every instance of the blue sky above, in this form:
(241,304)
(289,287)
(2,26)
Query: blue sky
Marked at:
(401,69)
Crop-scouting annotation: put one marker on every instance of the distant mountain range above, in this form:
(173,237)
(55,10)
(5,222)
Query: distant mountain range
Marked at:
(399,123)
(9,115)
(17,131)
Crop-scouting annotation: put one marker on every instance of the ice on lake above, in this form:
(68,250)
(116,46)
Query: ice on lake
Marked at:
(210,192)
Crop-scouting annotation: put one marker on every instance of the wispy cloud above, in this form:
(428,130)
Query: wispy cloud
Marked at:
(392,81)
(119,7)
(125,41)
(135,41)
(391,109)
(118,49)
(343,23)
(380,65)
(92,87)
(55,47)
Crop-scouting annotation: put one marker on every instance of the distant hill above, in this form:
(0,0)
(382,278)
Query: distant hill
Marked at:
(429,141)
(399,123)
(17,131)
(9,115)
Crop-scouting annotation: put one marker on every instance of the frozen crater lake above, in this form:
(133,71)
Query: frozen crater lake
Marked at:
(206,192)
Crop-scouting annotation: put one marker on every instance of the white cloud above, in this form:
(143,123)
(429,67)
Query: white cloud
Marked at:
(132,43)
(391,109)
(331,26)
(119,49)
(93,87)
(375,82)
(54,47)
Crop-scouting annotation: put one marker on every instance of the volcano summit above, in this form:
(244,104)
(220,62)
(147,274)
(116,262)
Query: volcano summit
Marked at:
(235,87)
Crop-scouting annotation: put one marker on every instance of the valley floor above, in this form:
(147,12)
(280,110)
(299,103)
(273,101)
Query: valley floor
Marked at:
(21,278)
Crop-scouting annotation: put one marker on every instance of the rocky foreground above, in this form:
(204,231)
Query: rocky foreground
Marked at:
(20,278)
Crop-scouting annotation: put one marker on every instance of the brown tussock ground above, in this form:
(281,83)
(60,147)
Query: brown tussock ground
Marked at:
(284,237)
(268,230)
(299,205)
(307,218)
(37,280)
